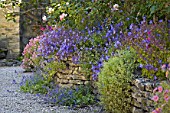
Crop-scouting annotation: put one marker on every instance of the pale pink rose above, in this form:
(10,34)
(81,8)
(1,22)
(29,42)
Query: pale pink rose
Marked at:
(155,98)
(62,16)
(116,7)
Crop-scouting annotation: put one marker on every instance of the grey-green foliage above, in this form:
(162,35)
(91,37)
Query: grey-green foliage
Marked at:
(114,81)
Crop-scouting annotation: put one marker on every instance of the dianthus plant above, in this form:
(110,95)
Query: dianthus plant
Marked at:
(162,93)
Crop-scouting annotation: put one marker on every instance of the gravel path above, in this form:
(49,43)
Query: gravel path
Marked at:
(12,100)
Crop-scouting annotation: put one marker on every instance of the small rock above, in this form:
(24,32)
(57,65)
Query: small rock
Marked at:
(3,61)
(2,55)
(149,86)
(2,64)
(9,63)
(136,110)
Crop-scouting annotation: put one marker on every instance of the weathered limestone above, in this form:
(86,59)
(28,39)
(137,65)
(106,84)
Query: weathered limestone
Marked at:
(9,36)
(142,93)
(71,76)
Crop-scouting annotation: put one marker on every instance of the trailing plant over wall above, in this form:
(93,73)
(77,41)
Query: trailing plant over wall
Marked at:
(114,81)
(30,54)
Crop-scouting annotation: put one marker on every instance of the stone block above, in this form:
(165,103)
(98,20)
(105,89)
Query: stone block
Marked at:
(150,103)
(134,89)
(14,39)
(145,94)
(76,82)
(78,77)
(75,72)
(136,94)
(65,81)
(141,86)
(16,51)
(136,103)
(149,86)
(86,82)
(137,110)
(148,108)
(61,76)
(65,85)
(137,81)
(2,55)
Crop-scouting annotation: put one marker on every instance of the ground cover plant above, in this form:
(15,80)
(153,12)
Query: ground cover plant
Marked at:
(79,96)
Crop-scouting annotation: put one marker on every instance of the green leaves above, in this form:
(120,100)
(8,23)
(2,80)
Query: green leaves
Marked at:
(113,82)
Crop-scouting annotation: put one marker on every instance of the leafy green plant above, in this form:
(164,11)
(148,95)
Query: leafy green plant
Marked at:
(52,93)
(74,97)
(51,68)
(114,81)
(151,42)
(34,84)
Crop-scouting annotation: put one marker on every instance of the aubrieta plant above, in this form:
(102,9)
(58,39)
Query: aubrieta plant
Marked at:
(88,48)
(151,42)
(98,46)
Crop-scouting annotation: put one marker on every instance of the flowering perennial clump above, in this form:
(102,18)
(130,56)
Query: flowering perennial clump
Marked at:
(151,42)
(30,53)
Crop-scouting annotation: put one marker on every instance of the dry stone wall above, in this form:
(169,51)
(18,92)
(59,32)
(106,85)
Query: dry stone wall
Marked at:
(142,93)
(9,36)
(142,88)
(71,76)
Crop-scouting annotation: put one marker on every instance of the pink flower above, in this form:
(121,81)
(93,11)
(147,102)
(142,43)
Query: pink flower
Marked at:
(149,39)
(166,97)
(42,28)
(155,90)
(149,32)
(155,98)
(163,67)
(160,89)
(157,110)
(166,91)
(154,111)
(62,16)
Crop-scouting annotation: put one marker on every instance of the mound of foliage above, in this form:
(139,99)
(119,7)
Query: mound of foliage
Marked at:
(114,81)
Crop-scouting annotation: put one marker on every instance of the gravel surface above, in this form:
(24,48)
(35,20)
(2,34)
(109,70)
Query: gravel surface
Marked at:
(12,100)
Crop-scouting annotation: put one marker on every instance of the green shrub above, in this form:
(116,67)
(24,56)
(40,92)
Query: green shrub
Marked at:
(114,81)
